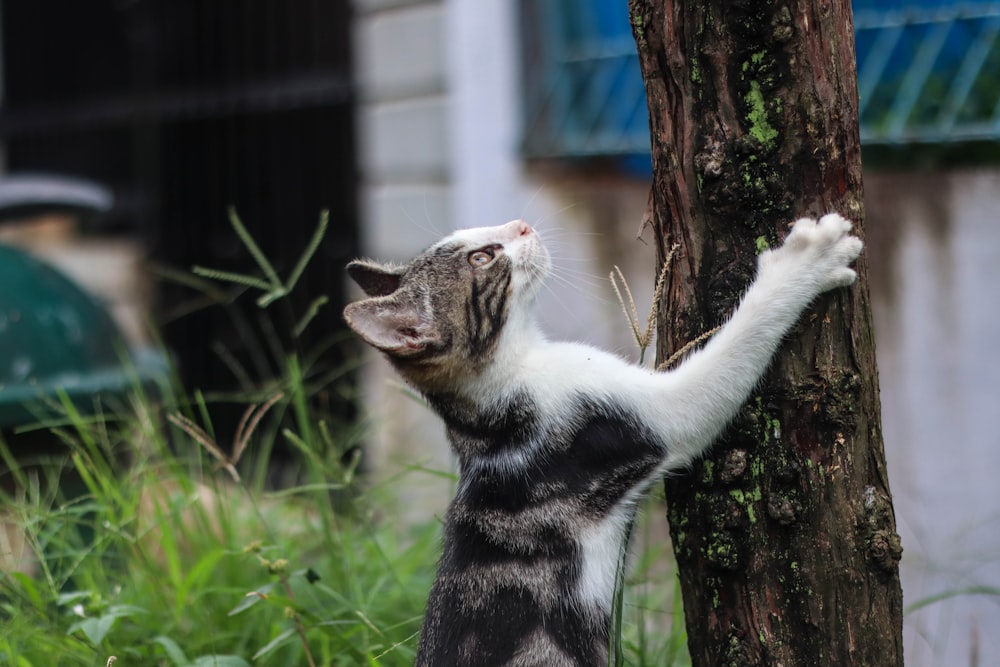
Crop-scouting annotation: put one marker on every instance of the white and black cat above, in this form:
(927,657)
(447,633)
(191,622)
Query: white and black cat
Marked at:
(557,441)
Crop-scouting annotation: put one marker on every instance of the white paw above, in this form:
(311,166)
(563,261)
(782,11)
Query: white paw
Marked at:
(817,252)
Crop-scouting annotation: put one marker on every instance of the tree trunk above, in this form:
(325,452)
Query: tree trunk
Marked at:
(784,534)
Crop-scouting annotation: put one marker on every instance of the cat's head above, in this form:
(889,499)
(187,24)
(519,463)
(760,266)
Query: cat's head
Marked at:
(450,309)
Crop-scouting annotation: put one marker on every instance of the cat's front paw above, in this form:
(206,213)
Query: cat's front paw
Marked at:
(817,251)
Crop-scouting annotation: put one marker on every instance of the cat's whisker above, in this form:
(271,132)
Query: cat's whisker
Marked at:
(427,216)
(430,230)
(560,253)
(569,233)
(574,277)
(541,222)
(531,200)
(575,272)
(579,273)
(563,306)
(592,294)
(582,232)
(573,285)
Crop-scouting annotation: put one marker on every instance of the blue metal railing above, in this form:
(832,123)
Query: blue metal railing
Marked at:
(928,72)
(930,75)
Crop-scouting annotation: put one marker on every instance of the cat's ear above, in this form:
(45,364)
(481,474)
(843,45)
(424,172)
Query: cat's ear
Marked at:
(374,278)
(396,327)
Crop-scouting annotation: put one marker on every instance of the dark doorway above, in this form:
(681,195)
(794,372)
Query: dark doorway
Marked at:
(185,108)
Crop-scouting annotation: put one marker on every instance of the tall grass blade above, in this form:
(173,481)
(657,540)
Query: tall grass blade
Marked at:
(310,314)
(992,591)
(251,245)
(310,250)
(232,277)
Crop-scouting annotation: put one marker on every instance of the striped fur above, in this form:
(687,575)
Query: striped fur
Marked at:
(557,441)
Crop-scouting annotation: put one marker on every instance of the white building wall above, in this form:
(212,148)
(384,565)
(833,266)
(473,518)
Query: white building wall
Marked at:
(406,203)
(934,244)
(403,118)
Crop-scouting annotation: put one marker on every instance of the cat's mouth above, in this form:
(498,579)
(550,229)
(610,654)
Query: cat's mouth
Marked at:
(529,255)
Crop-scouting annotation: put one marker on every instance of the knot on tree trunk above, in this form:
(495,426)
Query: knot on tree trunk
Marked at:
(886,549)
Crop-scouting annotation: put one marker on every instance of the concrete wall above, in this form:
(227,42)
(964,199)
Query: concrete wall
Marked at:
(934,247)
(403,119)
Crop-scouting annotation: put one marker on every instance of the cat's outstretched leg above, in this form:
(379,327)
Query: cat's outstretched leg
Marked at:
(698,399)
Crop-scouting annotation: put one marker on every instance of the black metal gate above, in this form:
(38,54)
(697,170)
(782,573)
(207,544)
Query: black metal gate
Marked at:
(187,107)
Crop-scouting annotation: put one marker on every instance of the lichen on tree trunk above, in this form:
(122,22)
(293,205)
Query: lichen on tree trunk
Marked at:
(784,534)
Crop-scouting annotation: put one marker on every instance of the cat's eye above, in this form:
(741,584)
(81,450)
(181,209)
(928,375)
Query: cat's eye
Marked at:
(479,258)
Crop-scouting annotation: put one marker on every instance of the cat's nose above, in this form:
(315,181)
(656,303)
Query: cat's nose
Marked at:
(522,228)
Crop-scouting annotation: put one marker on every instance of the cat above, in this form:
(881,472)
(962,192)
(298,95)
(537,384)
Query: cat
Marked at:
(557,441)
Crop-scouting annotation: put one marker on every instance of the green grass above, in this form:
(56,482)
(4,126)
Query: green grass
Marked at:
(651,632)
(165,561)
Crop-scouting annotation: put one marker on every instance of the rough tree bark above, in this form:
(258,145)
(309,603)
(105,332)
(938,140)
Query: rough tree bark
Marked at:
(785,534)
